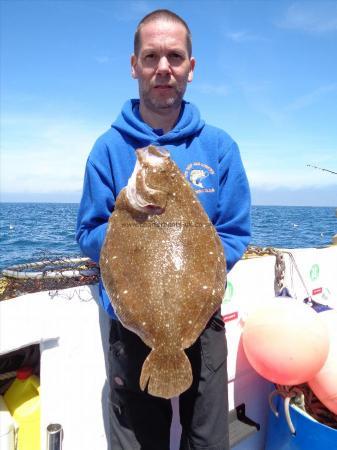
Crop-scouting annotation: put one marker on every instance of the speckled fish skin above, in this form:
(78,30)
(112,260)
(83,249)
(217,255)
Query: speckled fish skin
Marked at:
(163,267)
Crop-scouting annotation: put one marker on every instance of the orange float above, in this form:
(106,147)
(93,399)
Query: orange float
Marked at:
(285,342)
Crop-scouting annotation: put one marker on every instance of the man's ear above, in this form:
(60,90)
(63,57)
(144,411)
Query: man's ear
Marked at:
(133,66)
(192,65)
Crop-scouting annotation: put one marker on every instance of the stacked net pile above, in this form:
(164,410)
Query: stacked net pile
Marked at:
(50,274)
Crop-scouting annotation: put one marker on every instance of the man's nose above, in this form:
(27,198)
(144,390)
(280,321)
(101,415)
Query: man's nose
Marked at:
(163,65)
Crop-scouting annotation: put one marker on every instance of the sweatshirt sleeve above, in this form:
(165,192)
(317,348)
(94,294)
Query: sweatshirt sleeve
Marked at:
(232,220)
(96,206)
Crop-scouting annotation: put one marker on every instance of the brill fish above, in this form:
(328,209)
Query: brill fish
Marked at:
(163,267)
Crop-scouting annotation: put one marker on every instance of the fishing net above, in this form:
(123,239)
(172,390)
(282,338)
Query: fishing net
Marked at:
(55,273)
(49,274)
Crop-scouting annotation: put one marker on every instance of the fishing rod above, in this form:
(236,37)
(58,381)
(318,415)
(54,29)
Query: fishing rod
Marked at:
(320,168)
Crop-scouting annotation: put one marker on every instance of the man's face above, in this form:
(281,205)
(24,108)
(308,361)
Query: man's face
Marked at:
(162,67)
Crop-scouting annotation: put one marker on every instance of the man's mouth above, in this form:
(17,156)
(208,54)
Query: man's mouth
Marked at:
(163,87)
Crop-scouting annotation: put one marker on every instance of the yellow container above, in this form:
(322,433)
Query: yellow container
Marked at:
(23,401)
(7,427)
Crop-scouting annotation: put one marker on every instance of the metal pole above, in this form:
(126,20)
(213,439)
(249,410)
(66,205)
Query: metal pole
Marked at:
(54,436)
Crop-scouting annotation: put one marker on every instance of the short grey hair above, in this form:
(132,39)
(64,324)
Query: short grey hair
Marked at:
(162,14)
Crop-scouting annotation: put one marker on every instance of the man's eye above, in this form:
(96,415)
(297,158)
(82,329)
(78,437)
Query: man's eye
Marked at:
(150,56)
(175,58)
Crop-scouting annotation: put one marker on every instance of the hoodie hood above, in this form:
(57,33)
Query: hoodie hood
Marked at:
(130,123)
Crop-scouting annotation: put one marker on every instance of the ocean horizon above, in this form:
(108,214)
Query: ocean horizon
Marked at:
(32,231)
(77,203)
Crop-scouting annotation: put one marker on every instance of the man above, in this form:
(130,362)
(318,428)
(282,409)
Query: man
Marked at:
(163,65)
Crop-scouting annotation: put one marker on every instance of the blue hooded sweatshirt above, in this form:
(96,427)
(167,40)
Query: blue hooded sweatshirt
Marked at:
(208,157)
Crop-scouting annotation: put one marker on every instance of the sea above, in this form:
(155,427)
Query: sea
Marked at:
(38,231)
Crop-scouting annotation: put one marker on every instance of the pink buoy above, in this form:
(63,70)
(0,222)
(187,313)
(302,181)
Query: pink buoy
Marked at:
(285,341)
(324,383)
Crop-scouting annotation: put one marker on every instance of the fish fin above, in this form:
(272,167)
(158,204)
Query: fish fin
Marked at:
(166,375)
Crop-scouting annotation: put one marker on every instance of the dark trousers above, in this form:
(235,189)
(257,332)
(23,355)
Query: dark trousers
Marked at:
(140,421)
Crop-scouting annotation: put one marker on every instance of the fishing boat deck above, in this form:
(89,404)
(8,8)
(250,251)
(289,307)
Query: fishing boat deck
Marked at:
(71,331)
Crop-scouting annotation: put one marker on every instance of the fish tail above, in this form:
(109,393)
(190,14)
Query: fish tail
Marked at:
(166,375)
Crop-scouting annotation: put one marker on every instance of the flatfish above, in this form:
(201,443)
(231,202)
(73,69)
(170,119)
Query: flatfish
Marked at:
(163,267)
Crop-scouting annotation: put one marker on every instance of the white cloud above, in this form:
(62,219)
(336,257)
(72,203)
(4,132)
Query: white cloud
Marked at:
(243,36)
(262,104)
(271,177)
(210,89)
(132,10)
(103,59)
(285,163)
(311,17)
(306,196)
(311,98)
(259,99)
(44,154)
(312,154)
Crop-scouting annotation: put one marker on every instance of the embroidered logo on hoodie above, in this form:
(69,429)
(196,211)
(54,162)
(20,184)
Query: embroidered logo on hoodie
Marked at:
(200,177)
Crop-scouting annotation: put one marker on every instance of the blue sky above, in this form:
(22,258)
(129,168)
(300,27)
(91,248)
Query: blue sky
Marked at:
(266,73)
